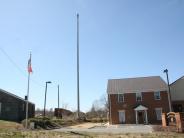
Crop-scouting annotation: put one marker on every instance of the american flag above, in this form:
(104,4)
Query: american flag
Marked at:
(29,65)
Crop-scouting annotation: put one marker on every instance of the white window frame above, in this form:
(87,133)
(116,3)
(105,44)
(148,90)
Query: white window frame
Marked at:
(159,117)
(155,95)
(122,111)
(137,94)
(123,99)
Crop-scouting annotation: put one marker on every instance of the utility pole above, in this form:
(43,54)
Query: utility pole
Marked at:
(78,100)
(169,94)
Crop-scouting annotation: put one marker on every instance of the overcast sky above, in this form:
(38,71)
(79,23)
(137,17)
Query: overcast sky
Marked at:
(118,39)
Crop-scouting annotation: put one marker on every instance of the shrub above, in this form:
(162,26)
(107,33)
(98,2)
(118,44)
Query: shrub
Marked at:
(45,123)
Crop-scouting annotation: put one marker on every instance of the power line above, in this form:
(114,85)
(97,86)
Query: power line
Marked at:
(18,68)
(10,59)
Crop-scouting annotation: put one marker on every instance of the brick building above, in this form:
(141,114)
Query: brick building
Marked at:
(177,95)
(137,100)
(13,108)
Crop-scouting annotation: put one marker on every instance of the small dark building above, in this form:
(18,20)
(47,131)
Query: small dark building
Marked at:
(60,112)
(13,108)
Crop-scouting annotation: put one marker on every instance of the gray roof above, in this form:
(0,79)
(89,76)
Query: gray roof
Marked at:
(133,85)
(15,96)
(181,78)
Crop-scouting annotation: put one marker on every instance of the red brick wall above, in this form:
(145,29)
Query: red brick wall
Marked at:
(130,103)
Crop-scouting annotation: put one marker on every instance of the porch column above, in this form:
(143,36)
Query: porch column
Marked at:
(146,116)
(136,117)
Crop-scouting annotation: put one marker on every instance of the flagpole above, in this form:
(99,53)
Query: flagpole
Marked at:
(27,98)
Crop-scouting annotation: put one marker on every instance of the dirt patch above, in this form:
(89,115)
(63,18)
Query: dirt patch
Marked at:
(86,125)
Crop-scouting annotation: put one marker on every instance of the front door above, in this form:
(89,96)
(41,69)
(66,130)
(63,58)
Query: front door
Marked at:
(121,117)
(141,117)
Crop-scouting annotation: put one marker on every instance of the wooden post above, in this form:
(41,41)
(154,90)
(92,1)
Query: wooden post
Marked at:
(179,126)
(164,124)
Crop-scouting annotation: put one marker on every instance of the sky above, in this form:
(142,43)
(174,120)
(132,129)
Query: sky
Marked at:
(118,39)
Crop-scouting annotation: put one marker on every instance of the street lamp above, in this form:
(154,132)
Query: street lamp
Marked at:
(169,94)
(45,97)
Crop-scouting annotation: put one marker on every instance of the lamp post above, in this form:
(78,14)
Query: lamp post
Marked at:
(169,94)
(45,97)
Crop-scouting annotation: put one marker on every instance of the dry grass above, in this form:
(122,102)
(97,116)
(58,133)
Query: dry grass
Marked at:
(135,135)
(10,125)
(15,130)
(52,134)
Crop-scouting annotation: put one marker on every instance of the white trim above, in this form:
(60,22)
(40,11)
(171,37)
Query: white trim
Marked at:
(146,116)
(140,108)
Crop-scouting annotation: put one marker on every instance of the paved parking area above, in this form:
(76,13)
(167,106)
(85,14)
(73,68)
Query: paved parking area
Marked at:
(117,129)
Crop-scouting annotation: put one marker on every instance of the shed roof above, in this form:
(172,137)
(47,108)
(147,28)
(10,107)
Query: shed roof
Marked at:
(13,95)
(133,85)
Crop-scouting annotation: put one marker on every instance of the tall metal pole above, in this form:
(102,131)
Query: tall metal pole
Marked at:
(169,94)
(27,95)
(78,101)
(45,99)
(27,101)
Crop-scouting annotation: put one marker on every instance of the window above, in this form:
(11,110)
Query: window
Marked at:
(139,96)
(120,98)
(122,117)
(157,95)
(158,113)
(0,107)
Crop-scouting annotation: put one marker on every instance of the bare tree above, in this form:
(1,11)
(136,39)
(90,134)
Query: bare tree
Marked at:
(104,102)
(99,108)
(65,105)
